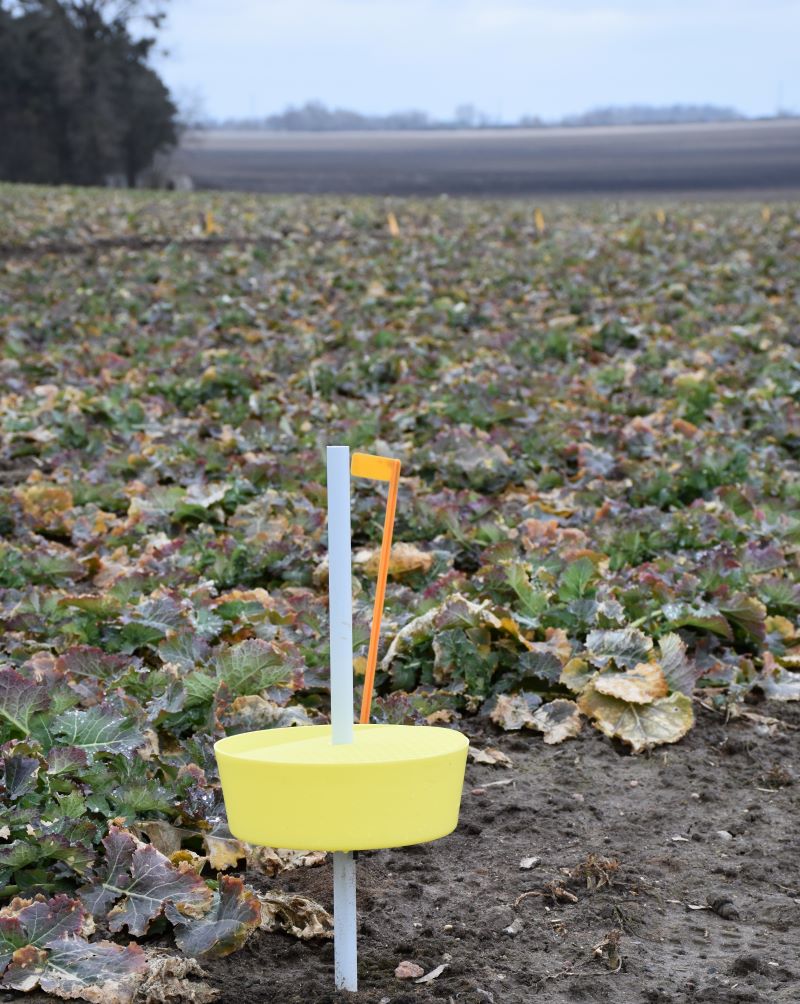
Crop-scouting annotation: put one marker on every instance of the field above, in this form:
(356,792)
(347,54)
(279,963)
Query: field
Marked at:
(596,409)
(737,159)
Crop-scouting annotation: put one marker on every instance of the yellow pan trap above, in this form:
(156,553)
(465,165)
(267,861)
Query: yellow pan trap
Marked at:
(344,787)
(393,785)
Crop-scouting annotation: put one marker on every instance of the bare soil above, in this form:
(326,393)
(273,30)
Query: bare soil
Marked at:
(723,159)
(711,820)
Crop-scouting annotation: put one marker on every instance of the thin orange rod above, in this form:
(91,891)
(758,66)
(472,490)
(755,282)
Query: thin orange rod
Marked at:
(364,466)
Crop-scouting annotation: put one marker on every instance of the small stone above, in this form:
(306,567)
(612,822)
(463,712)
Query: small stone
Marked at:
(515,927)
(409,971)
(527,863)
(724,835)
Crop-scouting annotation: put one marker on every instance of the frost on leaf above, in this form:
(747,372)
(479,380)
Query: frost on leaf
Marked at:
(665,720)
(640,685)
(234,914)
(624,647)
(140,881)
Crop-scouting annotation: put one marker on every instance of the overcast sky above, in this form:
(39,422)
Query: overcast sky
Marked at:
(508,57)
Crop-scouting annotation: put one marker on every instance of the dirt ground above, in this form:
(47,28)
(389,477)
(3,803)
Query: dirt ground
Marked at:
(713,819)
(708,160)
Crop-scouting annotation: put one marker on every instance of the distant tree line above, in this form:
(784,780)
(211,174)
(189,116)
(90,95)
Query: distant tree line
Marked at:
(78,100)
(649,115)
(314,116)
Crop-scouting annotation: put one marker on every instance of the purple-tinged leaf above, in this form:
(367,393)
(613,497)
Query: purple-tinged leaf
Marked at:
(119,847)
(24,969)
(163,614)
(85,660)
(140,880)
(747,613)
(66,760)
(18,775)
(98,971)
(20,699)
(27,926)
(235,913)
(154,882)
(43,919)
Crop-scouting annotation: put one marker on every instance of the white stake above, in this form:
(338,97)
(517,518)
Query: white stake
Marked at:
(341,646)
(345,956)
(340,589)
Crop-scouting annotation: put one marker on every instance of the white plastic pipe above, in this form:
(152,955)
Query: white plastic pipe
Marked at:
(345,955)
(341,646)
(340,590)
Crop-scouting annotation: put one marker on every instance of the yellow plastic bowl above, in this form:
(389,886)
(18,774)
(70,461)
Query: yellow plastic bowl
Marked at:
(393,785)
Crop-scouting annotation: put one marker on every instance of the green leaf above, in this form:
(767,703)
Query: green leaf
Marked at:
(576,580)
(200,688)
(251,666)
(698,615)
(680,673)
(532,600)
(542,664)
(99,729)
(18,854)
(465,655)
